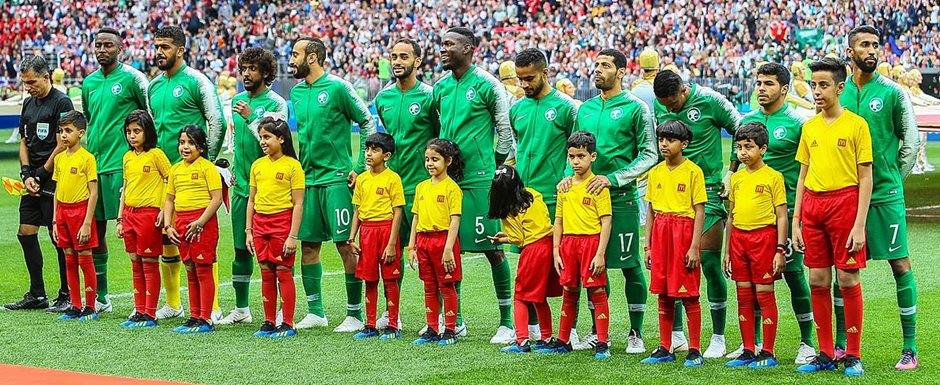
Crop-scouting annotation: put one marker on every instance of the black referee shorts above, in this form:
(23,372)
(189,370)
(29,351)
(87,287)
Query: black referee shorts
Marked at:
(36,210)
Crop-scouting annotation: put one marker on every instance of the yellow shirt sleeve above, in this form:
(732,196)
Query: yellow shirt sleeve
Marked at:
(397,192)
(252,178)
(698,187)
(603,204)
(560,204)
(162,162)
(863,143)
(779,189)
(297,177)
(91,166)
(357,191)
(213,178)
(802,150)
(455,200)
(171,180)
(56,165)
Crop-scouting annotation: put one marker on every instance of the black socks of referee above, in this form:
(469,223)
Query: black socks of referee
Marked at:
(33,256)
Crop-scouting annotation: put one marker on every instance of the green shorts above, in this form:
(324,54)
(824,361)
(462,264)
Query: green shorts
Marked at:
(715,210)
(794,258)
(327,214)
(239,209)
(407,216)
(623,248)
(109,195)
(887,232)
(475,226)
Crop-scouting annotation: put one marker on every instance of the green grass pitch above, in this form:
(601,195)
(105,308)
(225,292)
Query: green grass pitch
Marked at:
(232,356)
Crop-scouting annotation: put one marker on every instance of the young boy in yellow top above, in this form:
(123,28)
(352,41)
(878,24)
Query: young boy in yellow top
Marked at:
(582,229)
(76,192)
(832,197)
(378,199)
(676,193)
(756,242)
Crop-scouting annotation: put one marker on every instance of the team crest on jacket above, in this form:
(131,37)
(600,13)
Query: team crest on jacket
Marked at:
(876,104)
(780,132)
(550,114)
(178,91)
(323,97)
(259,112)
(116,88)
(471,94)
(414,109)
(616,113)
(694,114)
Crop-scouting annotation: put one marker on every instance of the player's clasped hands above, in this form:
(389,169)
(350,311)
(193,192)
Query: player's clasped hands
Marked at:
(242,108)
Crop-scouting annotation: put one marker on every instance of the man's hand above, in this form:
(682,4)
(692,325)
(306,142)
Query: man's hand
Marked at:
(351,180)
(241,107)
(725,185)
(597,185)
(32,187)
(499,238)
(564,184)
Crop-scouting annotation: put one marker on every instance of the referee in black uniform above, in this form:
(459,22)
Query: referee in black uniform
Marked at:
(39,123)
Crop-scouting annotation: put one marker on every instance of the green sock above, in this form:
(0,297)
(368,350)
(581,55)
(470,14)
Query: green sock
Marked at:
(635,290)
(758,326)
(353,296)
(242,267)
(533,318)
(840,315)
(802,305)
(907,303)
(677,318)
(312,277)
(716,288)
(457,286)
(101,275)
(502,281)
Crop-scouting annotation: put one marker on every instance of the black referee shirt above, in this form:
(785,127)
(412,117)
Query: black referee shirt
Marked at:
(39,123)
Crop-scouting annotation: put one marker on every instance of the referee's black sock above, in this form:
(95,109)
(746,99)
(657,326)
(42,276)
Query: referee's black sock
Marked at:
(33,255)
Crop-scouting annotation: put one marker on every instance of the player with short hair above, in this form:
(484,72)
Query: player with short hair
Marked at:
(705,112)
(108,95)
(258,69)
(325,106)
(887,109)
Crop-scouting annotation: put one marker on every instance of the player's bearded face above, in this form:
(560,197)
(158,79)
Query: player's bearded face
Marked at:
(298,66)
(167,53)
(864,50)
(403,61)
(251,76)
(769,91)
(531,79)
(605,73)
(107,47)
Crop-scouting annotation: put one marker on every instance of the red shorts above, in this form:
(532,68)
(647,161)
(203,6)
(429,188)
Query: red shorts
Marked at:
(202,249)
(141,234)
(430,249)
(536,278)
(269,232)
(69,218)
(373,237)
(828,218)
(577,251)
(670,241)
(752,254)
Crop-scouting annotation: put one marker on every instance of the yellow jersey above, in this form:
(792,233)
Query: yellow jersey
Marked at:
(435,203)
(530,225)
(190,184)
(580,211)
(145,176)
(756,196)
(833,151)
(676,191)
(273,181)
(377,194)
(72,172)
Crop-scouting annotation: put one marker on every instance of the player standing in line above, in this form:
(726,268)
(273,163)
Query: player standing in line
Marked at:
(258,69)
(325,106)
(887,109)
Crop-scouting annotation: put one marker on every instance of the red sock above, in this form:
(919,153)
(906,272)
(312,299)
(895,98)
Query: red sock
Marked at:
(269,295)
(372,296)
(544,314)
(392,296)
(601,315)
(432,305)
(693,311)
(71,278)
(667,312)
(746,316)
(822,315)
(288,290)
(853,319)
(193,288)
(140,286)
(520,319)
(89,278)
(206,290)
(449,293)
(768,307)
(569,312)
(152,287)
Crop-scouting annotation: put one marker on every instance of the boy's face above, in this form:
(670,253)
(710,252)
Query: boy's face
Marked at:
(376,156)
(671,147)
(825,89)
(270,143)
(70,135)
(135,135)
(749,152)
(188,149)
(580,159)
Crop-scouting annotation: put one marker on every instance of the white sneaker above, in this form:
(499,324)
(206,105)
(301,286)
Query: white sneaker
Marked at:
(382,322)
(740,350)
(238,315)
(679,342)
(804,354)
(716,347)
(215,316)
(167,312)
(349,325)
(462,330)
(574,339)
(133,312)
(586,343)
(311,321)
(503,336)
(535,332)
(635,344)
(929,167)
(104,307)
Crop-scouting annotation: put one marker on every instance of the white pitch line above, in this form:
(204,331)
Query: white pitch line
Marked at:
(923,208)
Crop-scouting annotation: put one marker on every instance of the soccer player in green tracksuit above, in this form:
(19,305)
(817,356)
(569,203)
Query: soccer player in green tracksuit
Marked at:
(784,127)
(181,96)
(625,130)
(325,107)
(705,112)
(108,96)
(404,108)
(542,122)
(472,103)
(890,115)
(258,69)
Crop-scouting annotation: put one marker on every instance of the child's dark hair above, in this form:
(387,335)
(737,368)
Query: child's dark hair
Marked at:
(449,150)
(381,140)
(75,119)
(674,129)
(280,129)
(508,196)
(198,136)
(582,139)
(145,121)
(755,131)
(831,65)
